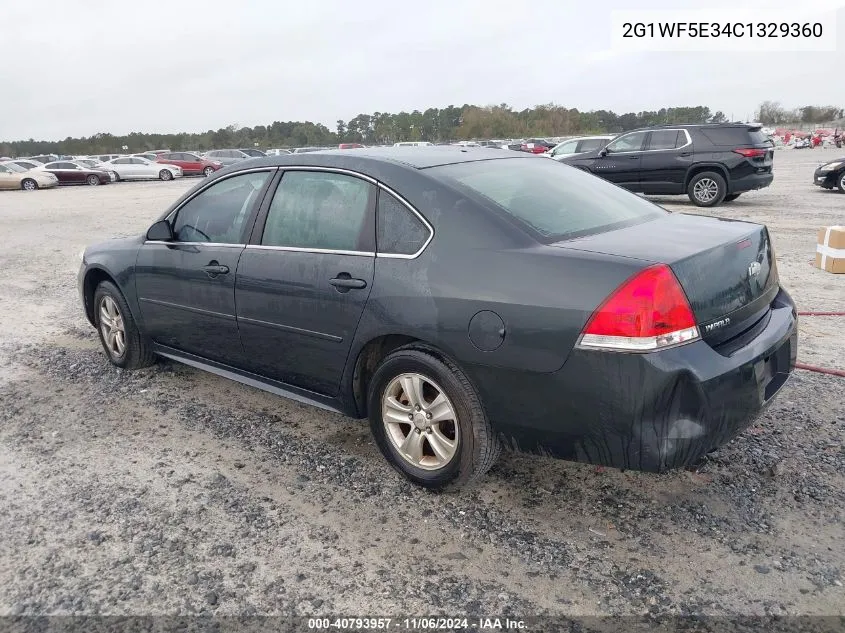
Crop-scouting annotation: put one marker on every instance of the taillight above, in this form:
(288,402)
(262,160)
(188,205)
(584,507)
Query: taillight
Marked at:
(648,312)
(750,152)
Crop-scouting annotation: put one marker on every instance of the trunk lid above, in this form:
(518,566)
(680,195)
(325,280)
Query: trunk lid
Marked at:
(726,267)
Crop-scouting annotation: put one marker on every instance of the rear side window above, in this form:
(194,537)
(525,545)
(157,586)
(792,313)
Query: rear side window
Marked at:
(399,231)
(666,139)
(734,136)
(551,200)
(320,210)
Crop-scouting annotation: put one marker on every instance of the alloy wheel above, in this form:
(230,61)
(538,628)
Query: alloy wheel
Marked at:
(420,421)
(29,185)
(112,327)
(705,190)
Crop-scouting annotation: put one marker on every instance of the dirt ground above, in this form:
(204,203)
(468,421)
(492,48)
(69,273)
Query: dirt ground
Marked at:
(172,491)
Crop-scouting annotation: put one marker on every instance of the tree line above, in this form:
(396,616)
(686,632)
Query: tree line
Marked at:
(772,113)
(435,125)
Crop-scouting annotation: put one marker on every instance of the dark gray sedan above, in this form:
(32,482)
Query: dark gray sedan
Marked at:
(462,300)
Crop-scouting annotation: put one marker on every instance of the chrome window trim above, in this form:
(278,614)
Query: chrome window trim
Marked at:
(298,249)
(355,174)
(170,216)
(644,151)
(174,243)
(421,219)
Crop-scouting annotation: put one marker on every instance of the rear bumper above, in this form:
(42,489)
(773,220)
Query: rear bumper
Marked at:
(750,182)
(650,412)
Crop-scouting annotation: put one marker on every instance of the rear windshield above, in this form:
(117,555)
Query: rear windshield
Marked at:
(553,201)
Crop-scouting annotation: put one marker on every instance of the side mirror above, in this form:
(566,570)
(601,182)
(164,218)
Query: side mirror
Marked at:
(161,231)
(603,152)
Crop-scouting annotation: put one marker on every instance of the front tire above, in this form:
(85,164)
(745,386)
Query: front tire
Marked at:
(28,184)
(165,175)
(93,180)
(121,339)
(840,183)
(428,421)
(731,197)
(208,171)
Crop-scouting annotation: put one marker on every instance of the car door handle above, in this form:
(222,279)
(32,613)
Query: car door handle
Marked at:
(213,269)
(345,282)
(633,157)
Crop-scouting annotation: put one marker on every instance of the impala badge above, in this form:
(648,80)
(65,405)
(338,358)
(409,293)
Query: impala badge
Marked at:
(717,324)
(754,269)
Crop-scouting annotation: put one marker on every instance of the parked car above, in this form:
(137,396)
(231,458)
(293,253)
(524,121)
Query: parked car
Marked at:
(277,152)
(253,153)
(13,176)
(308,150)
(350,146)
(25,163)
(536,146)
(190,164)
(579,145)
(226,156)
(412,144)
(73,173)
(150,156)
(831,174)
(555,313)
(104,158)
(43,158)
(135,168)
(710,163)
(91,162)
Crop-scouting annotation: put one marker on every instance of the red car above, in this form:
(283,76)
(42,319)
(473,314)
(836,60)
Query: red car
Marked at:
(191,164)
(350,146)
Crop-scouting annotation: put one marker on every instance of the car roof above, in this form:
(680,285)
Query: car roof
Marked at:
(415,157)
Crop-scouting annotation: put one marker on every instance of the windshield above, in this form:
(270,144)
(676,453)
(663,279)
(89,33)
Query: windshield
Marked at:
(551,200)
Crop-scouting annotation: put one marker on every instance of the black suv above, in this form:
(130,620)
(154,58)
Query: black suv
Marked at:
(710,163)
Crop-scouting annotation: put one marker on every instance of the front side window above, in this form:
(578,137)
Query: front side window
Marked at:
(629,143)
(219,213)
(666,139)
(320,210)
(399,231)
(551,200)
(139,161)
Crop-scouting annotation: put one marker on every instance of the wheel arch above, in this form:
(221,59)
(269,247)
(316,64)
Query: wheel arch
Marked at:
(370,356)
(94,276)
(696,169)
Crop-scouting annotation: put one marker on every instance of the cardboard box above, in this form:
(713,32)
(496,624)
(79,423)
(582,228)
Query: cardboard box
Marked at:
(830,250)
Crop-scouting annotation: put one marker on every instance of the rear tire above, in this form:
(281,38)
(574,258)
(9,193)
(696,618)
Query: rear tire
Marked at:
(454,447)
(121,339)
(840,183)
(93,180)
(28,184)
(165,175)
(707,189)
(731,197)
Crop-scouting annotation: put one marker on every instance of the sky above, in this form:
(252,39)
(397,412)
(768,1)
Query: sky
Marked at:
(79,67)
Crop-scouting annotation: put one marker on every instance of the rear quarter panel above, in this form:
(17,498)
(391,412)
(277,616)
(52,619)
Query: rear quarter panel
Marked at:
(478,261)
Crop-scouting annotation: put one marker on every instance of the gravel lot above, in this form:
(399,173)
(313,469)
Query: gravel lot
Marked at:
(170,490)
